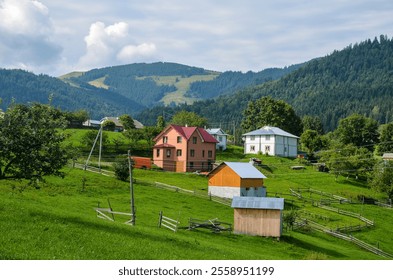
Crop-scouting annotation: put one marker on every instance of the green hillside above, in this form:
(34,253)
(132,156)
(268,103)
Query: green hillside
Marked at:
(58,221)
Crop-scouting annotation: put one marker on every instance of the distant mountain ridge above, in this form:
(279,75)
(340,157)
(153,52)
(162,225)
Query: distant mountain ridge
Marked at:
(357,79)
(20,86)
(171,83)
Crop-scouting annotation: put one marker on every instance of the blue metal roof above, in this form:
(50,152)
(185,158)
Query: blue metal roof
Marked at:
(251,202)
(245,170)
(270,130)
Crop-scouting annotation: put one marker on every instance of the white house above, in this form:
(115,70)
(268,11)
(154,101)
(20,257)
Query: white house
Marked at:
(272,141)
(220,136)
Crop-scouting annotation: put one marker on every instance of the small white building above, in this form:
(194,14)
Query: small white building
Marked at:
(220,136)
(272,141)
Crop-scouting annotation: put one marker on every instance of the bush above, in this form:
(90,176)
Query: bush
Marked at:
(121,168)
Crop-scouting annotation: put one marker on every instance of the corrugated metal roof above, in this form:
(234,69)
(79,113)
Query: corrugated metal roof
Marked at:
(245,170)
(271,130)
(215,131)
(250,202)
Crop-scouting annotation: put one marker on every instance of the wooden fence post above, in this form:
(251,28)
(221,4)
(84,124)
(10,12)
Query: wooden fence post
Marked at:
(160,219)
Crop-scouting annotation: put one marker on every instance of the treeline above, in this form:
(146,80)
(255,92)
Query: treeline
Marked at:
(357,79)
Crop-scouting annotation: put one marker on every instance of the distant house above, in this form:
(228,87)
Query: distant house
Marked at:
(272,141)
(92,123)
(118,124)
(261,216)
(231,179)
(387,156)
(221,137)
(184,149)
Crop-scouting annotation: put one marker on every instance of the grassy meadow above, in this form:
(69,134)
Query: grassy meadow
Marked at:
(58,220)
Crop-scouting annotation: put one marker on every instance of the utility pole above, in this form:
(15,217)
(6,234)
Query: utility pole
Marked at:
(99,134)
(131,190)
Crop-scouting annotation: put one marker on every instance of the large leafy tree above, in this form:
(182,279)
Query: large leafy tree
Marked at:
(311,141)
(382,178)
(359,131)
(386,138)
(127,121)
(348,160)
(188,118)
(268,111)
(31,142)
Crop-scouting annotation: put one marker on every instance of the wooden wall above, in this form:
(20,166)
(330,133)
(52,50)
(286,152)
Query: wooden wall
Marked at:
(225,176)
(261,222)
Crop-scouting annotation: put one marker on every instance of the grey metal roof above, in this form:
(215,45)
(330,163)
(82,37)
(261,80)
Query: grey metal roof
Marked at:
(215,131)
(270,130)
(245,170)
(250,202)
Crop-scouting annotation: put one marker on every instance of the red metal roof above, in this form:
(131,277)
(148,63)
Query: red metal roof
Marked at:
(165,145)
(186,132)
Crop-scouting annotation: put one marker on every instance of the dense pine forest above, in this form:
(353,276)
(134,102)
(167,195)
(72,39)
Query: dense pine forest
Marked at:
(357,79)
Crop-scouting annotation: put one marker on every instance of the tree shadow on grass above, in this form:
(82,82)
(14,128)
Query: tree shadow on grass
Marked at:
(312,247)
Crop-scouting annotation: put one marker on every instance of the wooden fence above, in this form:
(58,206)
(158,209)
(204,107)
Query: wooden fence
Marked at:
(103,213)
(167,222)
(350,238)
(217,199)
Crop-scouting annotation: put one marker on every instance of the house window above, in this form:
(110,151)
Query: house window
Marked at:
(220,138)
(179,139)
(192,153)
(267,137)
(267,148)
(165,139)
(252,137)
(178,153)
(158,153)
(168,152)
(252,148)
(203,153)
(209,154)
(194,140)
(203,165)
(191,164)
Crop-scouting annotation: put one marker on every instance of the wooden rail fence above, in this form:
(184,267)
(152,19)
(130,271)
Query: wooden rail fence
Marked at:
(350,238)
(103,213)
(167,222)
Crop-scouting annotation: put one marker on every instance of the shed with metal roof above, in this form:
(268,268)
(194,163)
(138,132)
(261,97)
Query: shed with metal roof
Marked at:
(260,216)
(231,179)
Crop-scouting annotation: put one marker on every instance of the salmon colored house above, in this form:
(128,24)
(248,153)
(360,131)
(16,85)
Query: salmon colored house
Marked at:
(184,149)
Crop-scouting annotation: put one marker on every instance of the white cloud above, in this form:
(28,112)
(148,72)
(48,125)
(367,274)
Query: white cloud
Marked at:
(26,33)
(109,45)
(132,53)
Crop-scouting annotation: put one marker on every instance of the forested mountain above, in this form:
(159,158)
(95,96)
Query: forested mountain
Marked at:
(229,82)
(148,84)
(23,87)
(357,79)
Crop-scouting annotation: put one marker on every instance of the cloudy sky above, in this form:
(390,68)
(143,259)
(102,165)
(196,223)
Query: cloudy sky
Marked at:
(59,36)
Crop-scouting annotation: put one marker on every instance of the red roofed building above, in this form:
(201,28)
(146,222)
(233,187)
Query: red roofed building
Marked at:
(184,149)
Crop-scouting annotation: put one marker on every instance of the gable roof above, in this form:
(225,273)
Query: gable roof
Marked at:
(245,170)
(271,130)
(215,131)
(186,132)
(250,202)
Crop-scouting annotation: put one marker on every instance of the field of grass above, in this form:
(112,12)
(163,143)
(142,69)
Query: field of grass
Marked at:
(58,221)
(182,85)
